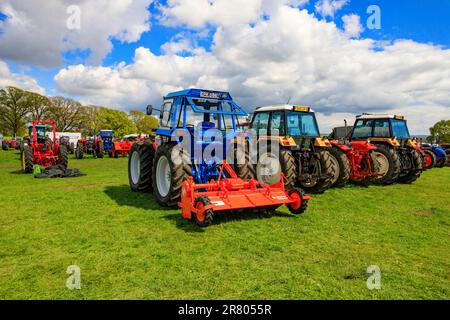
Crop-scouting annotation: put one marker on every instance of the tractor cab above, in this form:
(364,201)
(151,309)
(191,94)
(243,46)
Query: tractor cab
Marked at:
(209,118)
(295,125)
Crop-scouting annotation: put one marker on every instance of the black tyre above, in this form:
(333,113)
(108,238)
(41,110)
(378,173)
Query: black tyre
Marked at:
(79,152)
(243,167)
(430,159)
(414,173)
(140,163)
(100,150)
(4,146)
(206,219)
(27,159)
(386,162)
(301,205)
(440,163)
(63,154)
(269,167)
(168,176)
(322,175)
(341,167)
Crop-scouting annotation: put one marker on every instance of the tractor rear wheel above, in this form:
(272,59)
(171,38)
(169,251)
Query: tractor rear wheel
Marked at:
(441,163)
(79,152)
(27,159)
(169,174)
(4,146)
(416,168)
(270,166)
(140,165)
(342,165)
(205,219)
(300,204)
(100,150)
(324,171)
(63,154)
(242,165)
(429,159)
(386,162)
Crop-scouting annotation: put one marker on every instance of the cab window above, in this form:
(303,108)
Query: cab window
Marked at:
(165,113)
(261,122)
(400,129)
(277,123)
(363,129)
(381,129)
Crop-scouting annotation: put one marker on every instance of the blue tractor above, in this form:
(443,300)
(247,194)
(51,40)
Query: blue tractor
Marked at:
(206,124)
(435,156)
(107,138)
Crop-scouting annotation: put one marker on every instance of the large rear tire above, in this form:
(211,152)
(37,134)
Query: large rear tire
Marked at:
(100,150)
(140,165)
(27,159)
(416,170)
(342,165)
(324,172)
(269,167)
(63,154)
(243,167)
(386,162)
(429,159)
(4,146)
(169,176)
(79,152)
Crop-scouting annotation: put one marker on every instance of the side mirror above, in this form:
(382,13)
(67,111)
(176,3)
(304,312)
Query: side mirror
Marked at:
(149,110)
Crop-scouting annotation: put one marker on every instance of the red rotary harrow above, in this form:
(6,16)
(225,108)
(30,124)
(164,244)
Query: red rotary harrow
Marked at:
(202,201)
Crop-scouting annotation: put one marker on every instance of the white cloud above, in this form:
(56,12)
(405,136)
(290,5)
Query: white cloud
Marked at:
(227,13)
(352,25)
(36,31)
(328,8)
(292,54)
(8,78)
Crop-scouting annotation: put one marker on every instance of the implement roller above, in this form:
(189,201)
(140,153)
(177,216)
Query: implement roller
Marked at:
(230,194)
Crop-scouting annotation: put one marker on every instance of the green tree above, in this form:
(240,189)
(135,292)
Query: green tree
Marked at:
(144,123)
(68,113)
(39,106)
(14,108)
(440,132)
(111,119)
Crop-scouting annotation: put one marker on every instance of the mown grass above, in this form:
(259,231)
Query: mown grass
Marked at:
(129,248)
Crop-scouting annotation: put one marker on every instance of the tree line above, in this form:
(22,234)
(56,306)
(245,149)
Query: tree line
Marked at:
(19,107)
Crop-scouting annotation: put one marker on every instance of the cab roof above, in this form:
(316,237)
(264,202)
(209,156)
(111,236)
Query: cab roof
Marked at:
(280,107)
(200,93)
(379,116)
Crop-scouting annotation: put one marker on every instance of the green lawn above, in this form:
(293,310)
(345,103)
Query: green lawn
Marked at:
(129,248)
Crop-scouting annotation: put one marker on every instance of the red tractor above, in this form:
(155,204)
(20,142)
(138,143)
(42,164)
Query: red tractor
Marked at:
(93,146)
(39,149)
(13,143)
(123,147)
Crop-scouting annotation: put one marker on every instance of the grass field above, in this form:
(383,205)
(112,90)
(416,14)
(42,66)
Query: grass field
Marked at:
(130,248)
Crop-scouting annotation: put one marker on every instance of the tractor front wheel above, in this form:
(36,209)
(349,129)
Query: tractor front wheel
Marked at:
(170,170)
(140,165)
(27,159)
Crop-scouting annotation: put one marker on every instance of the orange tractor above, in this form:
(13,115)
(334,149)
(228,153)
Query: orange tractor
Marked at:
(39,149)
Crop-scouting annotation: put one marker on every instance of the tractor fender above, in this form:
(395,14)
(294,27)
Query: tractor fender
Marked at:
(322,142)
(340,146)
(393,142)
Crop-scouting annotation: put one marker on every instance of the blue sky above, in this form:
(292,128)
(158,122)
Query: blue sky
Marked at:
(419,22)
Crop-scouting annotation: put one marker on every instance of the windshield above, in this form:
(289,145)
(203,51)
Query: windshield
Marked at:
(212,105)
(216,121)
(363,129)
(302,124)
(40,131)
(400,129)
